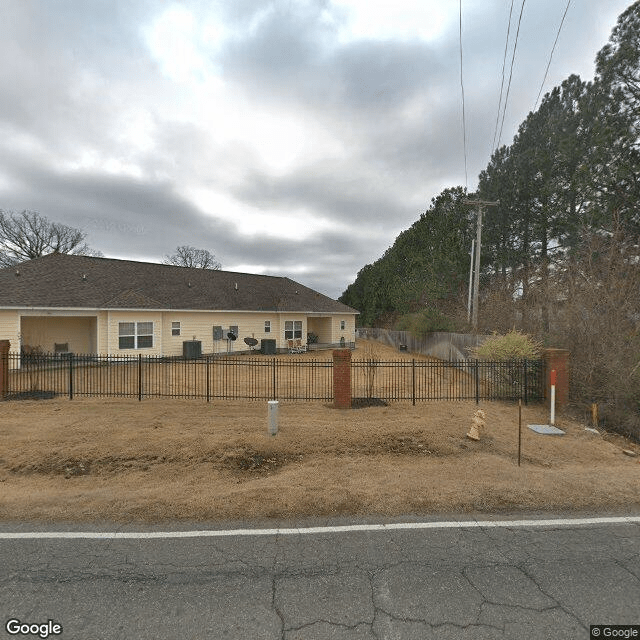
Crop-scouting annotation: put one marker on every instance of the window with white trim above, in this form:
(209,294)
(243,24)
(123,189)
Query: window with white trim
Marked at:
(175,328)
(292,329)
(342,325)
(135,335)
(267,326)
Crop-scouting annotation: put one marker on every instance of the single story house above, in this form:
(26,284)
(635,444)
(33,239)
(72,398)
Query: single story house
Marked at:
(82,304)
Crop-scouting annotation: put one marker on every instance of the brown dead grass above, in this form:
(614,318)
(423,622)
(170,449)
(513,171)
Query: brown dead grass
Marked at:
(122,460)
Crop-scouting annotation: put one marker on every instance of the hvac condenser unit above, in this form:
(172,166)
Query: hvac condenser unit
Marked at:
(191,349)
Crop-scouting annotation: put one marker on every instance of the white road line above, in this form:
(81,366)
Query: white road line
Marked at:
(396,526)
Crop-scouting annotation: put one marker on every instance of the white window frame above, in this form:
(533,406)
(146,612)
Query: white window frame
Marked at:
(176,329)
(138,332)
(292,329)
(343,325)
(267,326)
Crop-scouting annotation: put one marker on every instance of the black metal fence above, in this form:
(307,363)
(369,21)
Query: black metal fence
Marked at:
(477,380)
(244,377)
(270,378)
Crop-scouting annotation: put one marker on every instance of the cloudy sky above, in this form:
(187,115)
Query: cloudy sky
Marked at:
(288,137)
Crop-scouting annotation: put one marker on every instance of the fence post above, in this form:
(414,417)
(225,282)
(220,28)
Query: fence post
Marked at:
(4,368)
(139,377)
(526,383)
(477,381)
(557,359)
(413,381)
(342,379)
(208,378)
(71,376)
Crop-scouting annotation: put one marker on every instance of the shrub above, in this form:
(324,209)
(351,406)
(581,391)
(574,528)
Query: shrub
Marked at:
(512,346)
(423,322)
(510,379)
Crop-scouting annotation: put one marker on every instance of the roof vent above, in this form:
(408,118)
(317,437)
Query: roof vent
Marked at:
(84,276)
(17,272)
(189,284)
(236,286)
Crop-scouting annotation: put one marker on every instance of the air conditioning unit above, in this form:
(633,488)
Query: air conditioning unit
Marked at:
(191,349)
(268,347)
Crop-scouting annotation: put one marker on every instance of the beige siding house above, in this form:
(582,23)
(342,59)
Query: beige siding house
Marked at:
(81,304)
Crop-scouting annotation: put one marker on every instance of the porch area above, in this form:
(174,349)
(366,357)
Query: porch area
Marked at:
(59,334)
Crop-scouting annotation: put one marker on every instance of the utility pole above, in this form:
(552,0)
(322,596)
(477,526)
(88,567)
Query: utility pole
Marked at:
(473,242)
(476,282)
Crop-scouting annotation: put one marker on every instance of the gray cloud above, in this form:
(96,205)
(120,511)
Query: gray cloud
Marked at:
(74,74)
(137,219)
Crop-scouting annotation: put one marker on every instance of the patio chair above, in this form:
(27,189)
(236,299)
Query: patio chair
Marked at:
(295,346)
(300,348)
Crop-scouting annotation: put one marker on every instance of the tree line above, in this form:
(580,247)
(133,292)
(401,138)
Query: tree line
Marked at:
(560,253)
(572,169)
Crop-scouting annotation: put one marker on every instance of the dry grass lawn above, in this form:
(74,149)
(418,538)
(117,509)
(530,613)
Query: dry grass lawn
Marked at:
(158,460)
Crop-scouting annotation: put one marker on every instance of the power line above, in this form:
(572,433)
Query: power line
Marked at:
(504,60)
(464,125)
(513,57)
(564,15)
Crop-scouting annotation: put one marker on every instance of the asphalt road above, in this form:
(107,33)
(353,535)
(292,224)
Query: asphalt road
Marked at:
(523,582)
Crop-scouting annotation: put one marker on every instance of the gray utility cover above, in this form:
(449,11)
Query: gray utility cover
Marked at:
(546,429)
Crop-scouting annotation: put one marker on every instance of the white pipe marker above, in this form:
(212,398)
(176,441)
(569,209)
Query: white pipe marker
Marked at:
(272,417)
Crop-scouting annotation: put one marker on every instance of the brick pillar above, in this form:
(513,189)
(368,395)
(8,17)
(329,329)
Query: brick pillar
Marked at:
(557,359)
(4,368)
(342,379)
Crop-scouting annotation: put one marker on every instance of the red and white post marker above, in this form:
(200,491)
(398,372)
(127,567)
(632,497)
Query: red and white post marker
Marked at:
(552,421)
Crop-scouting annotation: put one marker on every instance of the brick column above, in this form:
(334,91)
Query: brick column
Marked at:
(342,379)
(4,368)
(557,359)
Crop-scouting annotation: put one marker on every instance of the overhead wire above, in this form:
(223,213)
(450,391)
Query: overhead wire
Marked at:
(504,62)
(564,15)
(464,125)
(513,57)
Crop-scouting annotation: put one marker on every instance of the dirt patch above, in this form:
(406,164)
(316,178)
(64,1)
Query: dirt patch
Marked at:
(169,459)
(361,403)
(32,395)
(251,461)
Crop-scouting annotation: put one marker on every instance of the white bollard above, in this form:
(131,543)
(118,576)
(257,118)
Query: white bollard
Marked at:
(272,417)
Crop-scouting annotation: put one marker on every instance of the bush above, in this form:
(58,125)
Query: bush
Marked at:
(512,346)
(423,322)
(511,378)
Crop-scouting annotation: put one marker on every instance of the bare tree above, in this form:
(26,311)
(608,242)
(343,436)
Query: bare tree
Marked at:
(27,235)
(186,256)
(594,312)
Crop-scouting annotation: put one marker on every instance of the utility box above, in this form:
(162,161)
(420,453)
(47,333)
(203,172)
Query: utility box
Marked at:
(191,349)
(268,347)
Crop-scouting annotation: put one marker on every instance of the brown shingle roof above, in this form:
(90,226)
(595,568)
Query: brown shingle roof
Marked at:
(60,280)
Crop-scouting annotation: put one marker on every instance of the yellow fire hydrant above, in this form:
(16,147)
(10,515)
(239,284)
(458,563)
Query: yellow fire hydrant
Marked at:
(477,424)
